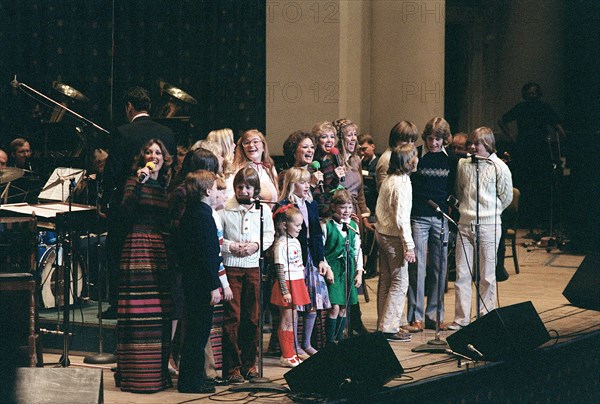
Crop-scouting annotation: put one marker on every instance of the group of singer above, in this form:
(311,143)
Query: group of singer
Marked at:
(187,227)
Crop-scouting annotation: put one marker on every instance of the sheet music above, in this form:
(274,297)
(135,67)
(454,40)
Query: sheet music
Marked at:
(57,186)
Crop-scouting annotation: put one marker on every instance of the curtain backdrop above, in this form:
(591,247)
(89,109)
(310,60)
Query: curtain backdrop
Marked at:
(213,50)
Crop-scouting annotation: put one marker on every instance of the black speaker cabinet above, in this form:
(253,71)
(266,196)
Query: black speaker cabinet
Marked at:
(501,334)
(584,288)
(355,365)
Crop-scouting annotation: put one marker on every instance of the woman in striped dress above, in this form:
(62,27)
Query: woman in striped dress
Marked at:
(144,314)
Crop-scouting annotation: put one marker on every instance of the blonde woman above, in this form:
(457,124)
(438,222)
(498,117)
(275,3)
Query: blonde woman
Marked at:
(252,150)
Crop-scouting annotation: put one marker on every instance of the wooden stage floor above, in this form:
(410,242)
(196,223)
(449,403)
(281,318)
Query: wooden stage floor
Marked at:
(543,277)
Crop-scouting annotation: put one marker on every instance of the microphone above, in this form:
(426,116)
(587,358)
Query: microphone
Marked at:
(14,83)
(336,153)
(345,226)
(473,157)
(316,165)
(249,201)
(471,348)
(437,209)
(143,175)
(451,352)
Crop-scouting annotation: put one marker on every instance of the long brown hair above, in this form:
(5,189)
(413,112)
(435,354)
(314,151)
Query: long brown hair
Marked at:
(140,161)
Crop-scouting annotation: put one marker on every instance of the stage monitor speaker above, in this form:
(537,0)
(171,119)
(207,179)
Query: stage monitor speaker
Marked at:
(584,288)
(351,366)
(59,385)
(502,333)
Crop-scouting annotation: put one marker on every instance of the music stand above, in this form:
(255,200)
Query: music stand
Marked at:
(55,188)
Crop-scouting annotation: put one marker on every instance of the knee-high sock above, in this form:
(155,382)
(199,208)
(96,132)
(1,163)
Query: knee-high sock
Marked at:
(309,323)
(330,324)
(286,342)
(341,324)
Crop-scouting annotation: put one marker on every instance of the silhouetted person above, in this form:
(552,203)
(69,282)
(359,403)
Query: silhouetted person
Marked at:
(537,125)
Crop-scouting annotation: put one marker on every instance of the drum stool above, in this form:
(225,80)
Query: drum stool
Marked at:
(24,282)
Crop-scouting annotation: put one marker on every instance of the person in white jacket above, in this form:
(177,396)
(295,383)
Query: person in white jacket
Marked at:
(495,194)
(241,252)
(395,241)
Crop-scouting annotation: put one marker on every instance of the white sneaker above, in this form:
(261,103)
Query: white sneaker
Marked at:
(290,362)
(454,326)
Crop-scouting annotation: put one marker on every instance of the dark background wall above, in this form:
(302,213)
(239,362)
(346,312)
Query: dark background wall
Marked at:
(214,50)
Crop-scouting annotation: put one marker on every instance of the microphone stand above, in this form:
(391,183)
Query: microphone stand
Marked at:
(17,84)
(438,345)
(477,239)
(345,228)
(100,357)
(260,383)
(68,267)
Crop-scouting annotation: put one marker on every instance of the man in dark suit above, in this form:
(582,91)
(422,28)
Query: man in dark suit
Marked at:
(369,165)
(126,144)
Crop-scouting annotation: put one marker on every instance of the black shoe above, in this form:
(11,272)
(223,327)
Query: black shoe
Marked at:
(110,313)
(398,337)
(202,389)
(251,374)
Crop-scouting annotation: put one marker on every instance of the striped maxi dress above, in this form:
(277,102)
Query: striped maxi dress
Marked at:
(145,305)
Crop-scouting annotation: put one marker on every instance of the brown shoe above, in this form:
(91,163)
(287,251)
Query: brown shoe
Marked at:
(415,326)
(430,325)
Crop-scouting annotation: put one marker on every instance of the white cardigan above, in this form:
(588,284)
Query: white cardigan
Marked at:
(495,190)
(394,204)
(243,224)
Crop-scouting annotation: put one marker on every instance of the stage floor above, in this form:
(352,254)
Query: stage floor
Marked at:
(543,277)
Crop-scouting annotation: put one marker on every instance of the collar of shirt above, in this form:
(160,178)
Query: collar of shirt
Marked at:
(141,114)
(426,150)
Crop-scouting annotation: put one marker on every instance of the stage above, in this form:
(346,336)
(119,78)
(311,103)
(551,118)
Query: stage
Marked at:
(565,369)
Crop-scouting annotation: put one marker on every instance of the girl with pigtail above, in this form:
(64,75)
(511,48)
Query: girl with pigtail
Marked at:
(289,289)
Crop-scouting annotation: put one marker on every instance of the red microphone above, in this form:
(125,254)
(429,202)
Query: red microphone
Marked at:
(336,153)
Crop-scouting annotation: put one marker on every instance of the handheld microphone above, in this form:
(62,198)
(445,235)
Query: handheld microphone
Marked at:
(471,348)
(473,157)
(437,209)
(451,352)
(316,165)
(143,175)
(336,153)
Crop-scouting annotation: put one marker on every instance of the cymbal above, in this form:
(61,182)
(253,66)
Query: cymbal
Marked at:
(69,91)
(9,174)
(178,93)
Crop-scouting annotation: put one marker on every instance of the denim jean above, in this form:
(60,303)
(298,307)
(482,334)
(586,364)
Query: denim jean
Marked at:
(426,235)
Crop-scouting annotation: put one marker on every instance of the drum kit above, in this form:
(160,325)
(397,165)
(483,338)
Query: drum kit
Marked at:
(62,279)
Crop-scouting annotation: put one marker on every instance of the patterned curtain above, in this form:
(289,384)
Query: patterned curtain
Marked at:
(213,50)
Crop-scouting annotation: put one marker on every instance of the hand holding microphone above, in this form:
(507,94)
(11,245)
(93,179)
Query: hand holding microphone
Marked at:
(336,154)
(144,173)
(318,175)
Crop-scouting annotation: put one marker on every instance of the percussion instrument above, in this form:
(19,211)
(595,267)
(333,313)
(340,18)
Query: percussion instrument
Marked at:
(50,272)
